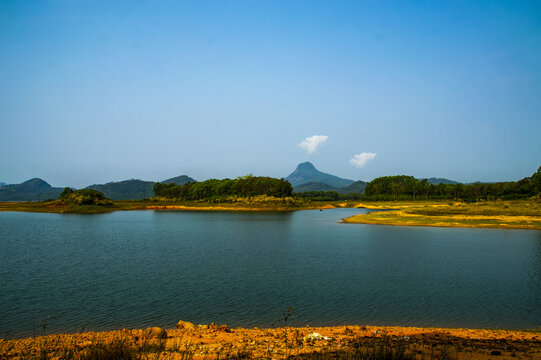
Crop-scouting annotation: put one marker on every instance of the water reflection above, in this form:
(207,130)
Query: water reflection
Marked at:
(136,269)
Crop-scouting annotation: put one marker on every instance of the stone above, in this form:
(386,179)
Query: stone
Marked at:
(214,327)
(155,333)
(185,325)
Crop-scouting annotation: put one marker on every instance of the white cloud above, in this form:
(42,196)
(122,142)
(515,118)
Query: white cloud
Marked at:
(361,159)
(310,144)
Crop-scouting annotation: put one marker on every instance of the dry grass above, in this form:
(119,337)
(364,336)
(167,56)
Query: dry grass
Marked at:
(517,214)
(344,342)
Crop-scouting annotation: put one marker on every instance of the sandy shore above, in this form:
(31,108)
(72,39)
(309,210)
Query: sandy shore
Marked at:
(212,342)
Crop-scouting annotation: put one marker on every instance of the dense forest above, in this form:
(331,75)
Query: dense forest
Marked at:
(221,190)
(404,187)
(328,196)
(408,187)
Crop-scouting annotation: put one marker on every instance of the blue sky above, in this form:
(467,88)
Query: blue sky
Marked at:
(92,92)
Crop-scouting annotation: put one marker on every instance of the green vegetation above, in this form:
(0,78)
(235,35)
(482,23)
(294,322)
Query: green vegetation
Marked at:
(30,190)
(404,187)
(83,197)
(328,196)
(179,180)
(135,189)
(318,188)
(225,190)
(125,190)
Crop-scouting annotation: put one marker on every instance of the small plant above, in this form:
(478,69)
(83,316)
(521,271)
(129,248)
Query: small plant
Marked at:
(288,315)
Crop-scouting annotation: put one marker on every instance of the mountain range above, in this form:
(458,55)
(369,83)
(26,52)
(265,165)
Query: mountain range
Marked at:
(304,178)
(307,178)
(135,189)
(38,190)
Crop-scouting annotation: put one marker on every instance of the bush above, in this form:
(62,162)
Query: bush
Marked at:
(83,197)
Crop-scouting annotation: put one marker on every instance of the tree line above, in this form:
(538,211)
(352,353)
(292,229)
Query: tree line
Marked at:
(219,190)
(402,187)
(328,196)
(407,187)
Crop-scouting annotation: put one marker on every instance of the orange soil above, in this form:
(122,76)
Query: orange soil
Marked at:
(208,341)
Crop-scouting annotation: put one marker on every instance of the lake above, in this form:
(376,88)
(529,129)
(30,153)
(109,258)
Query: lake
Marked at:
(135,269)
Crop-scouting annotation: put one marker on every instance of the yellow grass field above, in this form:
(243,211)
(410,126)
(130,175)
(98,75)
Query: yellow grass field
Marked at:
(516,214)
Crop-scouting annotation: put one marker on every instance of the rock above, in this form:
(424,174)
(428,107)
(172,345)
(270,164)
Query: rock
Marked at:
(156,344)
(84,344)
(214,327)
(185,325)
(155,333)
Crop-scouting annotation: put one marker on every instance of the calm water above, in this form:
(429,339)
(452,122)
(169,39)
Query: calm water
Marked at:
(134,269)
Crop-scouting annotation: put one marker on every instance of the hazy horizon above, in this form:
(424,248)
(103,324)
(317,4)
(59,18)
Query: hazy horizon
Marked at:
(97,92)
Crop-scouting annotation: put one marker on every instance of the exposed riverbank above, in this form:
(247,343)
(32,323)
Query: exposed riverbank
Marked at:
(130,205)
(516,214)
(221,342)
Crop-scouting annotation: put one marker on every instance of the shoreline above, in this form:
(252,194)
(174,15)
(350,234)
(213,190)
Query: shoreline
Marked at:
(212,341)
(132,205)
(518,214)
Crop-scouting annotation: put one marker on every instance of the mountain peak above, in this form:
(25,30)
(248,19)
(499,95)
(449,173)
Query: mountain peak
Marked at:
(306,172)
(36,182)
(179,180)
(306,166)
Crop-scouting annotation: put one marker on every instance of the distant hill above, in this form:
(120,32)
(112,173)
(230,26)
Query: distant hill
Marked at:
(135,189)
(2,183)
(125,190)
(437,181)
(179,180)
(314,186)
(356,187)
(31,190)
(307,173)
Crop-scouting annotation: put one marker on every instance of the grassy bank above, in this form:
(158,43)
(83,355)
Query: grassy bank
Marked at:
(516,214)
(247,204)
(220,342)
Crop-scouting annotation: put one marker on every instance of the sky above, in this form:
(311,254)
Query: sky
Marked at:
(99,91)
